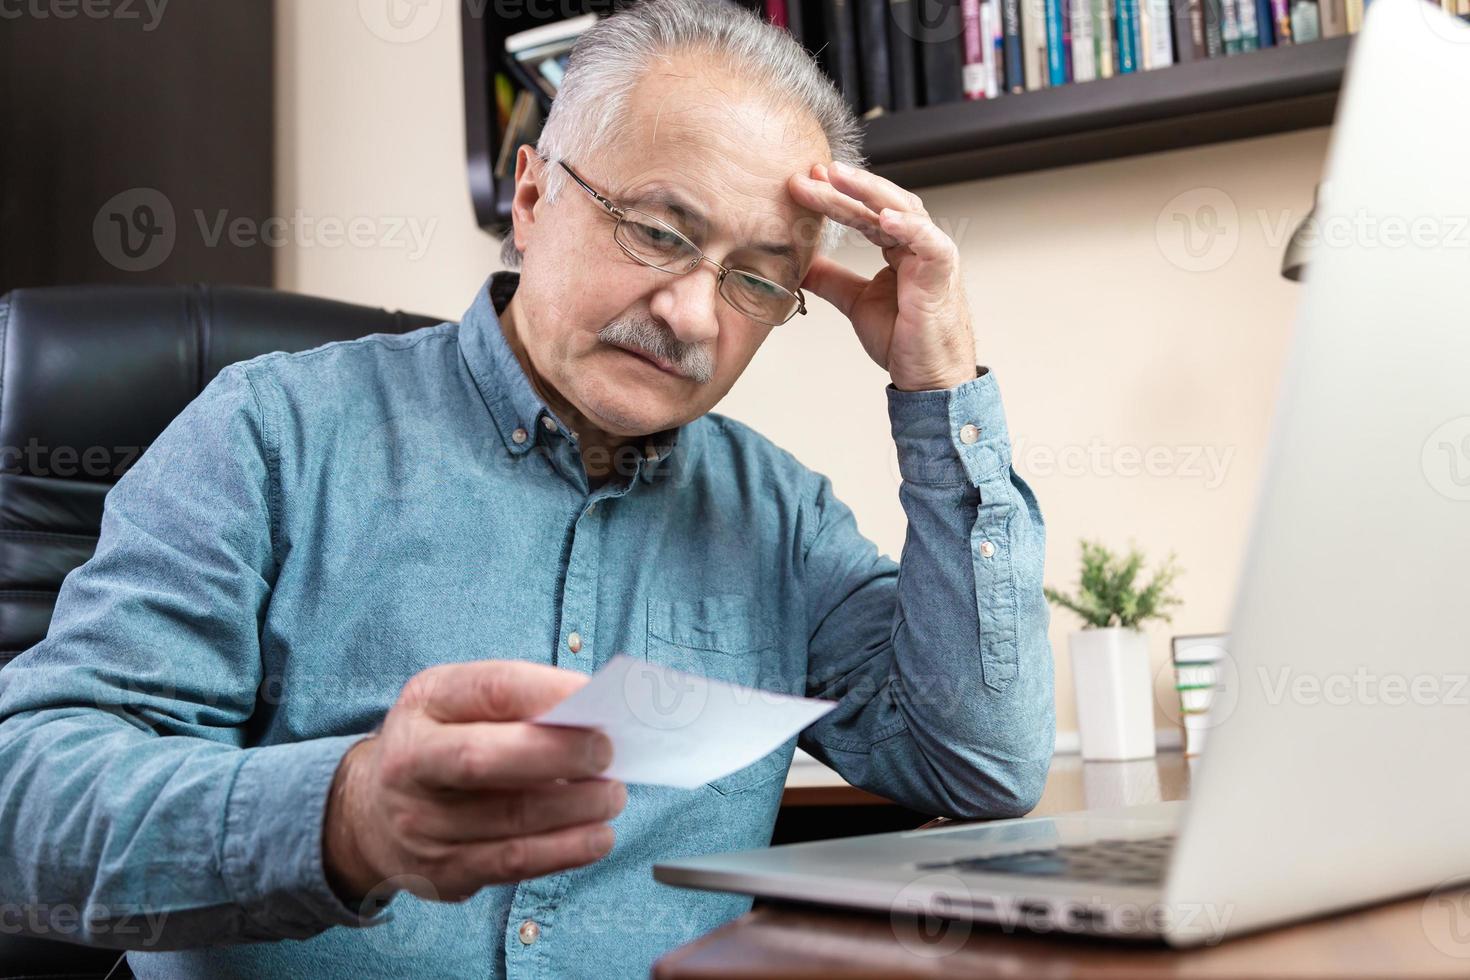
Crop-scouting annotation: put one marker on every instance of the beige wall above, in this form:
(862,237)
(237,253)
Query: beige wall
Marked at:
(1106,336)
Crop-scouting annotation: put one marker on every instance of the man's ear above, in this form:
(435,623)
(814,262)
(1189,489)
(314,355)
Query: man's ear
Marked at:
(528,193)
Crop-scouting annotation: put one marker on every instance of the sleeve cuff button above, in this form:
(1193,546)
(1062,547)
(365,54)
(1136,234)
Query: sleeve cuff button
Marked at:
(969,435)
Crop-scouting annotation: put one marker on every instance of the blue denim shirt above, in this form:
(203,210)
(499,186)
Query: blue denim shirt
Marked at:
(317,527)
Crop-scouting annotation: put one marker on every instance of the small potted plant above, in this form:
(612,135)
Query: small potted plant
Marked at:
(1111,676)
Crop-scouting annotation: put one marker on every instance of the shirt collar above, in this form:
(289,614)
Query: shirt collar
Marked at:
(513,403)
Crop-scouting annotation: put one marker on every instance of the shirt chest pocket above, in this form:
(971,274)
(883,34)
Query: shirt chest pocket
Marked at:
(721,637)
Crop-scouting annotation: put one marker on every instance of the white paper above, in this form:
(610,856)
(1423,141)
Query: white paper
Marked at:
(671,728)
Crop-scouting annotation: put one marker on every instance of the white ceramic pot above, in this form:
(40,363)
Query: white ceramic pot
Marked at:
(1114,687)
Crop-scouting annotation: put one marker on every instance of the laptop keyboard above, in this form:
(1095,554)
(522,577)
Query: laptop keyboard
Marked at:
(1140,861)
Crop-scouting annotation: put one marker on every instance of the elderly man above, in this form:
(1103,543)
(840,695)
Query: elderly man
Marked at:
(291,690)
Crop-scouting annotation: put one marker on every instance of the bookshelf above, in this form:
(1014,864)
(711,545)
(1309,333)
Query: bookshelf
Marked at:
(1272,90)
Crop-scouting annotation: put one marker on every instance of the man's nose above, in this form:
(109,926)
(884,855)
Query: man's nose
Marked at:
(689,303)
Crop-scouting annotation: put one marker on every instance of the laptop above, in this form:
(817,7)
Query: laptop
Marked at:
(1335,774)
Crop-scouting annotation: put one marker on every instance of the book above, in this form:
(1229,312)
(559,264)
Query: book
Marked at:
(1033,43)
(1127,40)
(775,11)
(1189,30)
(1333,16)
(1200,676)
(942,55)
(1102,38)
(794,20)
(840,51)
(1281,20)
(555,32)
(1214,11)
(1159,45)
(872,39)
(976,42)
(994,72)
(1230,26)
(1014,55)
(1084,45)
(1354,15)
(524,126)
(1056,59)
(1250,37)
(902,57)
(1265,24)
(1305,25)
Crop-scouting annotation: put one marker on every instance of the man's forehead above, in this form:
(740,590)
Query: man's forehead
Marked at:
(715,155)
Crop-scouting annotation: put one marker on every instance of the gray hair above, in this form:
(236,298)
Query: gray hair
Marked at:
(616,52)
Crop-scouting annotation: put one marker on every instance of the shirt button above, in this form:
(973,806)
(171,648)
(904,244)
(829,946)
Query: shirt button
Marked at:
(519,436)
(969,435)
(986,549)
(574,642)
(529,932)
(548,423)
(651,454)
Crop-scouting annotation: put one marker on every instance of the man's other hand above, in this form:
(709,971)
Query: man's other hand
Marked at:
(458,790)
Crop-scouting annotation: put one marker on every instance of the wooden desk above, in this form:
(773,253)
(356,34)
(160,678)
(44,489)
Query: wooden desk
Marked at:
(1413,937)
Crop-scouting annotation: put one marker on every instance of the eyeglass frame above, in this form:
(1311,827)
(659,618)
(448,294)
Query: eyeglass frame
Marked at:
(620,213)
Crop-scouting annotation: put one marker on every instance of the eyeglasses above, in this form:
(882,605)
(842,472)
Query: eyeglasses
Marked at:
(659,245)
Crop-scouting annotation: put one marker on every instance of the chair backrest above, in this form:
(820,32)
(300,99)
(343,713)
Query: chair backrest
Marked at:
(89,376)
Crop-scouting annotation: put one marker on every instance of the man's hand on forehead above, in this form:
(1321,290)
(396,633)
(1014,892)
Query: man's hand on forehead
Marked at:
(912,317)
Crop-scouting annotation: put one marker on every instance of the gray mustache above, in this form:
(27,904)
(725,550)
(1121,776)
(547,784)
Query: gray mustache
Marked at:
(695,361)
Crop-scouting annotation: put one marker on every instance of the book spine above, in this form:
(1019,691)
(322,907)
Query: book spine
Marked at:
(1214,28)
(1160,44)
(1127,36)
(776,12)
(1084,45)
(841,51)
(1230,26)
(1281,21)
(1014,60)
(1355,16)
(995,74)
(1033,41)
(942,56)
(794,20)
(1056,63)
(902,57)
(974,69)
(1250,37)
(1067,38)
(872,39)
(1265,24)
(1102,33)
(1305,27)
(1334,17)
(1189,30)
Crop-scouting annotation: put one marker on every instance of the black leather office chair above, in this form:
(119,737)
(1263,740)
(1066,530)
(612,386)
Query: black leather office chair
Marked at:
(89,376)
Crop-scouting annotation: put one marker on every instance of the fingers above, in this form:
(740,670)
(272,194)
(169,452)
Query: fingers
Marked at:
(504,755)
(855,198)
(539,854)
(490,690)
(824,198)
(488,817)
(875,192)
